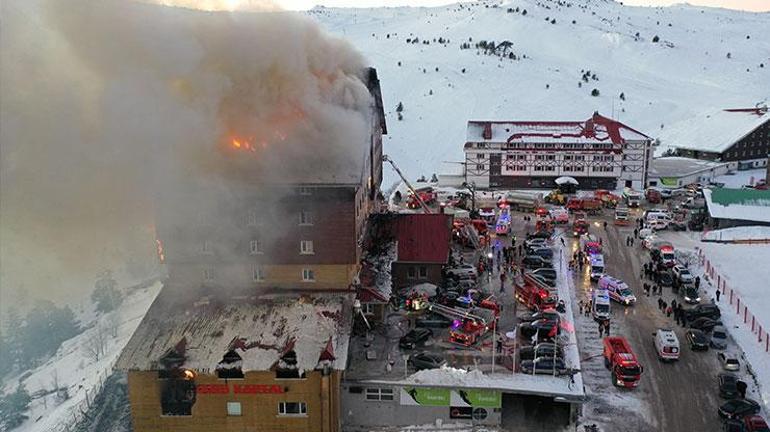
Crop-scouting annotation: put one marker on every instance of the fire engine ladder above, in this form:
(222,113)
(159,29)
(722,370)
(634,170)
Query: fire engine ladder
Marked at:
(472,235)
(453,313)
(535,282)
(424,206)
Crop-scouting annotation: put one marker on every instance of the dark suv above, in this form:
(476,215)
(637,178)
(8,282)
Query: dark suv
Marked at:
(703,310)
(414,337)
(535,262)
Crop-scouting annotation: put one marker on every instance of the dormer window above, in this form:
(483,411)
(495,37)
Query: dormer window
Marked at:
(287,367)
(231,366)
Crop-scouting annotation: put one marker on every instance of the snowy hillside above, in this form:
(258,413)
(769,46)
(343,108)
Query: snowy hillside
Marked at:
(682,76)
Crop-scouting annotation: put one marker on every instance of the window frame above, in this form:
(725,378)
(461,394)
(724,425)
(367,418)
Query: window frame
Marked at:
(422,272)
(258,273)
(208,274)
(305,190)
(301,405)
(233,404)
(255,247)
(304,250)
(306,217)
(379,394)
(306,271)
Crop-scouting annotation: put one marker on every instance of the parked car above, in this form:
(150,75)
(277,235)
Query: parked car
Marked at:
(755,423)
(543,349)
(543,365)
(733,425)
(644,233)
(665,279)
(682,274)
(546,273)
(539,234)
(549,314)
(703,310)
(704,324)
(533,242)
(737,408)
(719,337)
(666,344)
(433,321)
(547,282)
(544,252)
(464,271)
(414,337)
(697,339)
(542,326)
(536,262)
(426,360)
(728,385)
(728,361)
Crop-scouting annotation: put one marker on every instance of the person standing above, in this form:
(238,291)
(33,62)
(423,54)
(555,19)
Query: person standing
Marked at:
(719,293)
(697,282)
(502,282)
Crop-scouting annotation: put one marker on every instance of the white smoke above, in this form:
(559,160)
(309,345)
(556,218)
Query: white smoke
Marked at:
(106,102)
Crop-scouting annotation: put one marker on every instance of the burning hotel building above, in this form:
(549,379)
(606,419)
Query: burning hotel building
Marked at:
(251,329)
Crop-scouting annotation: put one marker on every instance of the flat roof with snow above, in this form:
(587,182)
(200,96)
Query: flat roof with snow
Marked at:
(741,204)
(714,132)
(681,166)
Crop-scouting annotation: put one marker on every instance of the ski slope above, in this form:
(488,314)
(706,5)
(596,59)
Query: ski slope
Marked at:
(673,82)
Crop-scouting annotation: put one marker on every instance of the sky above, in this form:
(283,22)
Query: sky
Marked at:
(752,5)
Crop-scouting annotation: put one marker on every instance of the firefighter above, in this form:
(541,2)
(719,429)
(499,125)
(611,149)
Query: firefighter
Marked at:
(718,293)
(605,227)
(502,281)
(697,282)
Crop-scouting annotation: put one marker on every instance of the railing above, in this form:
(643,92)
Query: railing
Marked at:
(734,300)
(79,410)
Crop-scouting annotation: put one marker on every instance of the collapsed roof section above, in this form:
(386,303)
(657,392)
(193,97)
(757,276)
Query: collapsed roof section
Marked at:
(316,329)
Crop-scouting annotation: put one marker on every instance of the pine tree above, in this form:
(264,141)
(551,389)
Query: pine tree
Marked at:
(106,295)
(13,408)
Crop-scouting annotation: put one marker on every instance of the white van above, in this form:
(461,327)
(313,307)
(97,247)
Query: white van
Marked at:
(666,344)
(600,305)
(644,232)
(617,289)
(596,263)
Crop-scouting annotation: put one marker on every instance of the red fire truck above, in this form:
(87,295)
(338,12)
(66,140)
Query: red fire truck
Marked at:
(428,197)
(534,295)
(590,205)
(580,226)
(621,361)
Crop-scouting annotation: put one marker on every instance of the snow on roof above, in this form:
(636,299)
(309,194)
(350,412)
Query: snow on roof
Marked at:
(741,204)
(714,131)
(742,233)
(595,130)
(260,332)
(681,166)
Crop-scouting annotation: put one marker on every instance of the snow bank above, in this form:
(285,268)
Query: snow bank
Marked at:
(738,233)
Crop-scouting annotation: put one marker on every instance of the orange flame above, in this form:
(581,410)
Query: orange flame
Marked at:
(241,144)
(161,255)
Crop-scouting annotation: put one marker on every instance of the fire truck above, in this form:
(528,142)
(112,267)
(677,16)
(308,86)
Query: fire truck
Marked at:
(609,199)
(427,195)
(590,205)
(621,216)
(580,226)
(468,325)
(621,361)
(590,244)
(533,294)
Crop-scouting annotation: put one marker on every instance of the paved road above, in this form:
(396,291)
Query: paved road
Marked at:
(674,397)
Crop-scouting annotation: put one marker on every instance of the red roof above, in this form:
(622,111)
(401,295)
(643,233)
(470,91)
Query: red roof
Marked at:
(424,238)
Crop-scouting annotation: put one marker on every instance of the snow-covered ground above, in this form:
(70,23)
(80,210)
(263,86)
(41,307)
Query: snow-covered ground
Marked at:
(680,79)
(745,270)
(743,233)
(740,178)
(77,369)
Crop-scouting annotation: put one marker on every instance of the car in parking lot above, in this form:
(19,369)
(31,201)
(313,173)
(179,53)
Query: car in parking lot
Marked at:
(704,324)
(547,282)
(737,408)
(697,339)
(433,320)
(543,365)
(707,310)
(755,423)
(535,242)
(542,326)
(535,262)
(424,360)
(728,361)
(544,252)
(546,273)
(728,385)
(414,337)
(733,425)
(462,271)
(543,349)
(682,274)
(719,337)
(549,314)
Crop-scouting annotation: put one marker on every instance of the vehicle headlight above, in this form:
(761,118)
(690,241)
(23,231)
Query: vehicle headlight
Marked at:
(687,298)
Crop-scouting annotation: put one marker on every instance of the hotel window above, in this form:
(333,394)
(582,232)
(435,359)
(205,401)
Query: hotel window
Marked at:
(480,156)
(306,247)
(509,157)
(423,271)
(292,409)
(480,167)
(379,394)
(567,157)
(308,275)
(206,247)
(233,408)
(255,247)
(551,157)
(411,273)
(367,308)
(208,274)
(522,157)
(252,218)
(304,190)
(306,217)
(258,275)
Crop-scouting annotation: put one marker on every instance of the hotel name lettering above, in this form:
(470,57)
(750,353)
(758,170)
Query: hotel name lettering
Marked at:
(239,389)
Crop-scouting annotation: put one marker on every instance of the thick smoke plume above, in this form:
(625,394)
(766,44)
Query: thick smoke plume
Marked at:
(106,104)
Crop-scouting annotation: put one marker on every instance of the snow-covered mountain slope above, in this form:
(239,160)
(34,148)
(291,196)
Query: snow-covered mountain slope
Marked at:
(684,75)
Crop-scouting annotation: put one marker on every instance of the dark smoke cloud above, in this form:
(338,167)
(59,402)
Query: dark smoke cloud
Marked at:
(106,103)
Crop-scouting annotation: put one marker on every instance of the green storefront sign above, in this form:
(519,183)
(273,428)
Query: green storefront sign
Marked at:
(669,181)
(428,396)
